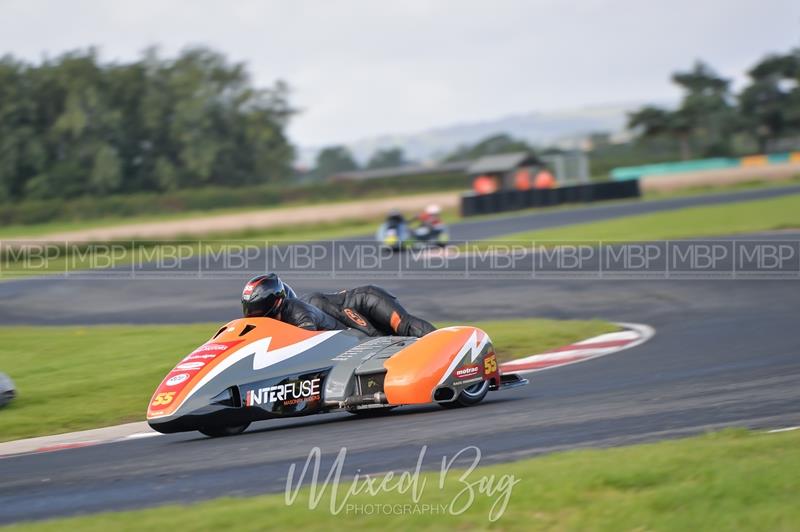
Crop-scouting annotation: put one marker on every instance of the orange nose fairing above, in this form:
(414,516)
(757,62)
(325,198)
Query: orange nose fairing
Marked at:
(183,378)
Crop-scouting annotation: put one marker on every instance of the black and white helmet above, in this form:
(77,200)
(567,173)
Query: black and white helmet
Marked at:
(263,296)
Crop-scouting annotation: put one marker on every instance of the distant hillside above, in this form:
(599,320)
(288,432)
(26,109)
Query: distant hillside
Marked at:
(539,128)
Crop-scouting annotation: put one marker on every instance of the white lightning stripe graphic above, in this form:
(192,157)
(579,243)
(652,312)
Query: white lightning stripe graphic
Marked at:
(472,347)
(265,357)
(262,358)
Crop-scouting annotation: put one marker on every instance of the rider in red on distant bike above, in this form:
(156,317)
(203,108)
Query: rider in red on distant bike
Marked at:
(431,216)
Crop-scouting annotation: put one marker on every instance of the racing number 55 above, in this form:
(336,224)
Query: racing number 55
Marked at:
(490,364)
(164,398)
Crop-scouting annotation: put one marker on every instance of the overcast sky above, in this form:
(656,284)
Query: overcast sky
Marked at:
(361,68)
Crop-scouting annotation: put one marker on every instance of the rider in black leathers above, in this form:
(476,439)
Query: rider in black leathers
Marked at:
(372,310)
(369,309)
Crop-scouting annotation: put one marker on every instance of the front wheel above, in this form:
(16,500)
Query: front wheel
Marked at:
(219,432)
(471,395)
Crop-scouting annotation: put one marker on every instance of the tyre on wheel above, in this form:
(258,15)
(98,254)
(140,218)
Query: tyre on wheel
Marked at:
(219,432)
(471,395)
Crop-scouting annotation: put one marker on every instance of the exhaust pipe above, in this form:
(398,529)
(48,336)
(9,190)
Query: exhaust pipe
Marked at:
(377,398)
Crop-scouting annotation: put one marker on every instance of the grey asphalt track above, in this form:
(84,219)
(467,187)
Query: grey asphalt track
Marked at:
(725,354)
(206,288)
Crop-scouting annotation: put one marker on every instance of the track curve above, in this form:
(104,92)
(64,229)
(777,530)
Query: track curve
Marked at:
(725,354)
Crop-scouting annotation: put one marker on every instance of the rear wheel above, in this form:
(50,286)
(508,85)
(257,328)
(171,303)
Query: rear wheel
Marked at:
(471,395)
(219,432)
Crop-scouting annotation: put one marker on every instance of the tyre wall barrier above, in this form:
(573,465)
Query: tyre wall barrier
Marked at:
(512,200)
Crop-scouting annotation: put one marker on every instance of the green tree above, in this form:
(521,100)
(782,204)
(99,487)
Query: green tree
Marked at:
(387,158)
(106,173)
(166,175)
(654,122)
(74,125)
(706,111)
(651,121)
(770,103)
(16,132)
(492,145)
(333,160)
(705,114)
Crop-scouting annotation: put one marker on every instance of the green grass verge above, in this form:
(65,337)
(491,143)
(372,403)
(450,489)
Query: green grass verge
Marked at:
(72,378)
(701,190)
(717,220)
(648,196)
(54,227)
(707,221)
(35,230)
(731,480)
(77,256)
(15,264)
(215,198)
(62,226)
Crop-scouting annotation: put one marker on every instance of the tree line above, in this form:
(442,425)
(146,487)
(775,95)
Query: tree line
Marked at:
(712,120)
(76,126)
(339,159)
(73,125)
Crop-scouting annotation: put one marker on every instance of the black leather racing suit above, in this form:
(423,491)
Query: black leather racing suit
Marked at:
(370,309)
(301,314)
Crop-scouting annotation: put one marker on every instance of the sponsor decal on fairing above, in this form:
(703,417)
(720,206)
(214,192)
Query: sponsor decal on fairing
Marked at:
(177,379)
(189,366)
(467,381)
(210,351)
(466,372)
(289,393)
(212,347)
(201,357)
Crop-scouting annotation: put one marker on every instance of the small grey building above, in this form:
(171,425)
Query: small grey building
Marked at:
(504,167)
